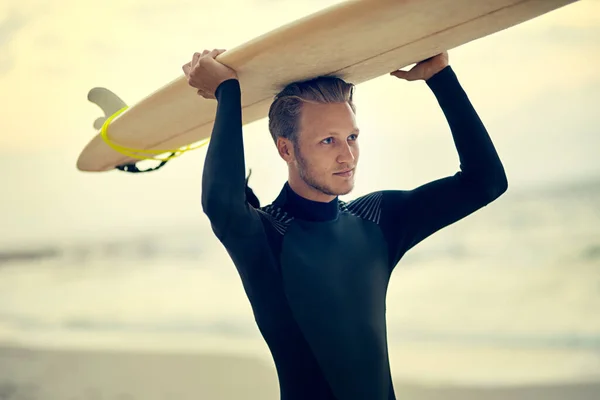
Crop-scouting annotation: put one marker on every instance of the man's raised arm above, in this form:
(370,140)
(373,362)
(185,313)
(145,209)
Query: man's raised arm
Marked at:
(223,177)
(415,214)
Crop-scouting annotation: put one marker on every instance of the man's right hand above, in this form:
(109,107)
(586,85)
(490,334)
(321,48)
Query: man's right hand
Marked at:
(206,74)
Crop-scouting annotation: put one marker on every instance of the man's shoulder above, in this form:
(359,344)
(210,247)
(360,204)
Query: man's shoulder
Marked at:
(276,217)
(373,205)
(367,206)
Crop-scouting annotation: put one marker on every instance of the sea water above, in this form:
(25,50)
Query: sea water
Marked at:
(510,294)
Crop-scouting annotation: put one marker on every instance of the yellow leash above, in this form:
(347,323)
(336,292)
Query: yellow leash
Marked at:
(135,153)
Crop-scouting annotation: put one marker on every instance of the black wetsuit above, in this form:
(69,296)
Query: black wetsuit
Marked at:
(316,274)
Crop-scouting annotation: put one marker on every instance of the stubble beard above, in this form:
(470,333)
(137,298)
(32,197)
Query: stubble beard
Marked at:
(312,181)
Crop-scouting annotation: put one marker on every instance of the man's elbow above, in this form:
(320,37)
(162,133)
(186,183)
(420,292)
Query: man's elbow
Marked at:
(207,206)
(495,186)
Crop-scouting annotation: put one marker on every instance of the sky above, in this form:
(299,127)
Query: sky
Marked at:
(536,87)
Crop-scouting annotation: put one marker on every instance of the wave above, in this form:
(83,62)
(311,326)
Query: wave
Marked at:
(246,329)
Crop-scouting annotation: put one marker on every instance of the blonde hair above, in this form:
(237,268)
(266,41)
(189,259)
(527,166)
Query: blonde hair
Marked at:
(284,113)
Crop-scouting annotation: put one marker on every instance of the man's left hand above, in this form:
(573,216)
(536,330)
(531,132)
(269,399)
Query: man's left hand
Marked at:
(425,69)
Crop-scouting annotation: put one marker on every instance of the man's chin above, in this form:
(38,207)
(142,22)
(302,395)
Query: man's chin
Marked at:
(341,190)
(334,187)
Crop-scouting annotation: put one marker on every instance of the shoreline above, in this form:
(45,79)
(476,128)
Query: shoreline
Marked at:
(120,374)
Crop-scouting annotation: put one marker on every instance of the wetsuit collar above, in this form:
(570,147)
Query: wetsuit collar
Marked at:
(303,208)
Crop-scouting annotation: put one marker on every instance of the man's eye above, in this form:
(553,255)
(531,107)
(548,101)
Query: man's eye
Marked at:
(353,137)
(327,141)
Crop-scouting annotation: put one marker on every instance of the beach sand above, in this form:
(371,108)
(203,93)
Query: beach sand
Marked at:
(28,374)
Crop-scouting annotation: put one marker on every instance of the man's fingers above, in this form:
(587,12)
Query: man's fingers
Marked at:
(215,52)
(186,68)
(401,74)
(195,58)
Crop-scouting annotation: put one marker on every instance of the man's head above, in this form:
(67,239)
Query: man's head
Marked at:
(313,125)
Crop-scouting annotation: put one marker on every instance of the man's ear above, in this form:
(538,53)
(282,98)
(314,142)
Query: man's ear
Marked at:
(285,149)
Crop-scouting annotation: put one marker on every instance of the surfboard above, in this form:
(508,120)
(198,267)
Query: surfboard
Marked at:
(355,40)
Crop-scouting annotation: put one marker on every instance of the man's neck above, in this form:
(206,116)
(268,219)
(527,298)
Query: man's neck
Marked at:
(302,189)
(304,208)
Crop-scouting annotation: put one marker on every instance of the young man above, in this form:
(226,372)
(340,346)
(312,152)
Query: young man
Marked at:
(316,269)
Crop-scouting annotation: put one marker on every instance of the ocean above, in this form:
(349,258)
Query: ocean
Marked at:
(510,294)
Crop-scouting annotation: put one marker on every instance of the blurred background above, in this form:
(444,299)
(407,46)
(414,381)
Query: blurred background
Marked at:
(112,285)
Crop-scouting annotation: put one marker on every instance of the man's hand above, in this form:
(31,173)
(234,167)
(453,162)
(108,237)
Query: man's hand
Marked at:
(206,74)
(425,69)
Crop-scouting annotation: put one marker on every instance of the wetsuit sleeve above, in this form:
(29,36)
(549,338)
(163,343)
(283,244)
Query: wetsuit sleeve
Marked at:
(223,180)
(409,216)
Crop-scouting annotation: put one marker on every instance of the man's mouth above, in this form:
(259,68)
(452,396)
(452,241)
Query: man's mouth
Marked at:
(345,173)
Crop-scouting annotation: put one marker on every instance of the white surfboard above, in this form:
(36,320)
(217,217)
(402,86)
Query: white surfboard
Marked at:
(356,41)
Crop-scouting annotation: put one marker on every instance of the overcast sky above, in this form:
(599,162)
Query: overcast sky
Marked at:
(536,87)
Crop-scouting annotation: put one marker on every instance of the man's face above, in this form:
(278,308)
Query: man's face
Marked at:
(326,153)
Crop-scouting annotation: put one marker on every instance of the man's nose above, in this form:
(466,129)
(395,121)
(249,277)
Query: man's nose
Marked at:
(346,154)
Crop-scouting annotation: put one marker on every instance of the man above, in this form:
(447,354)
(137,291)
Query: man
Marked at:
(316,269)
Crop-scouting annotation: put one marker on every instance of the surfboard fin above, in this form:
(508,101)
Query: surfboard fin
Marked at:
(109,102)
